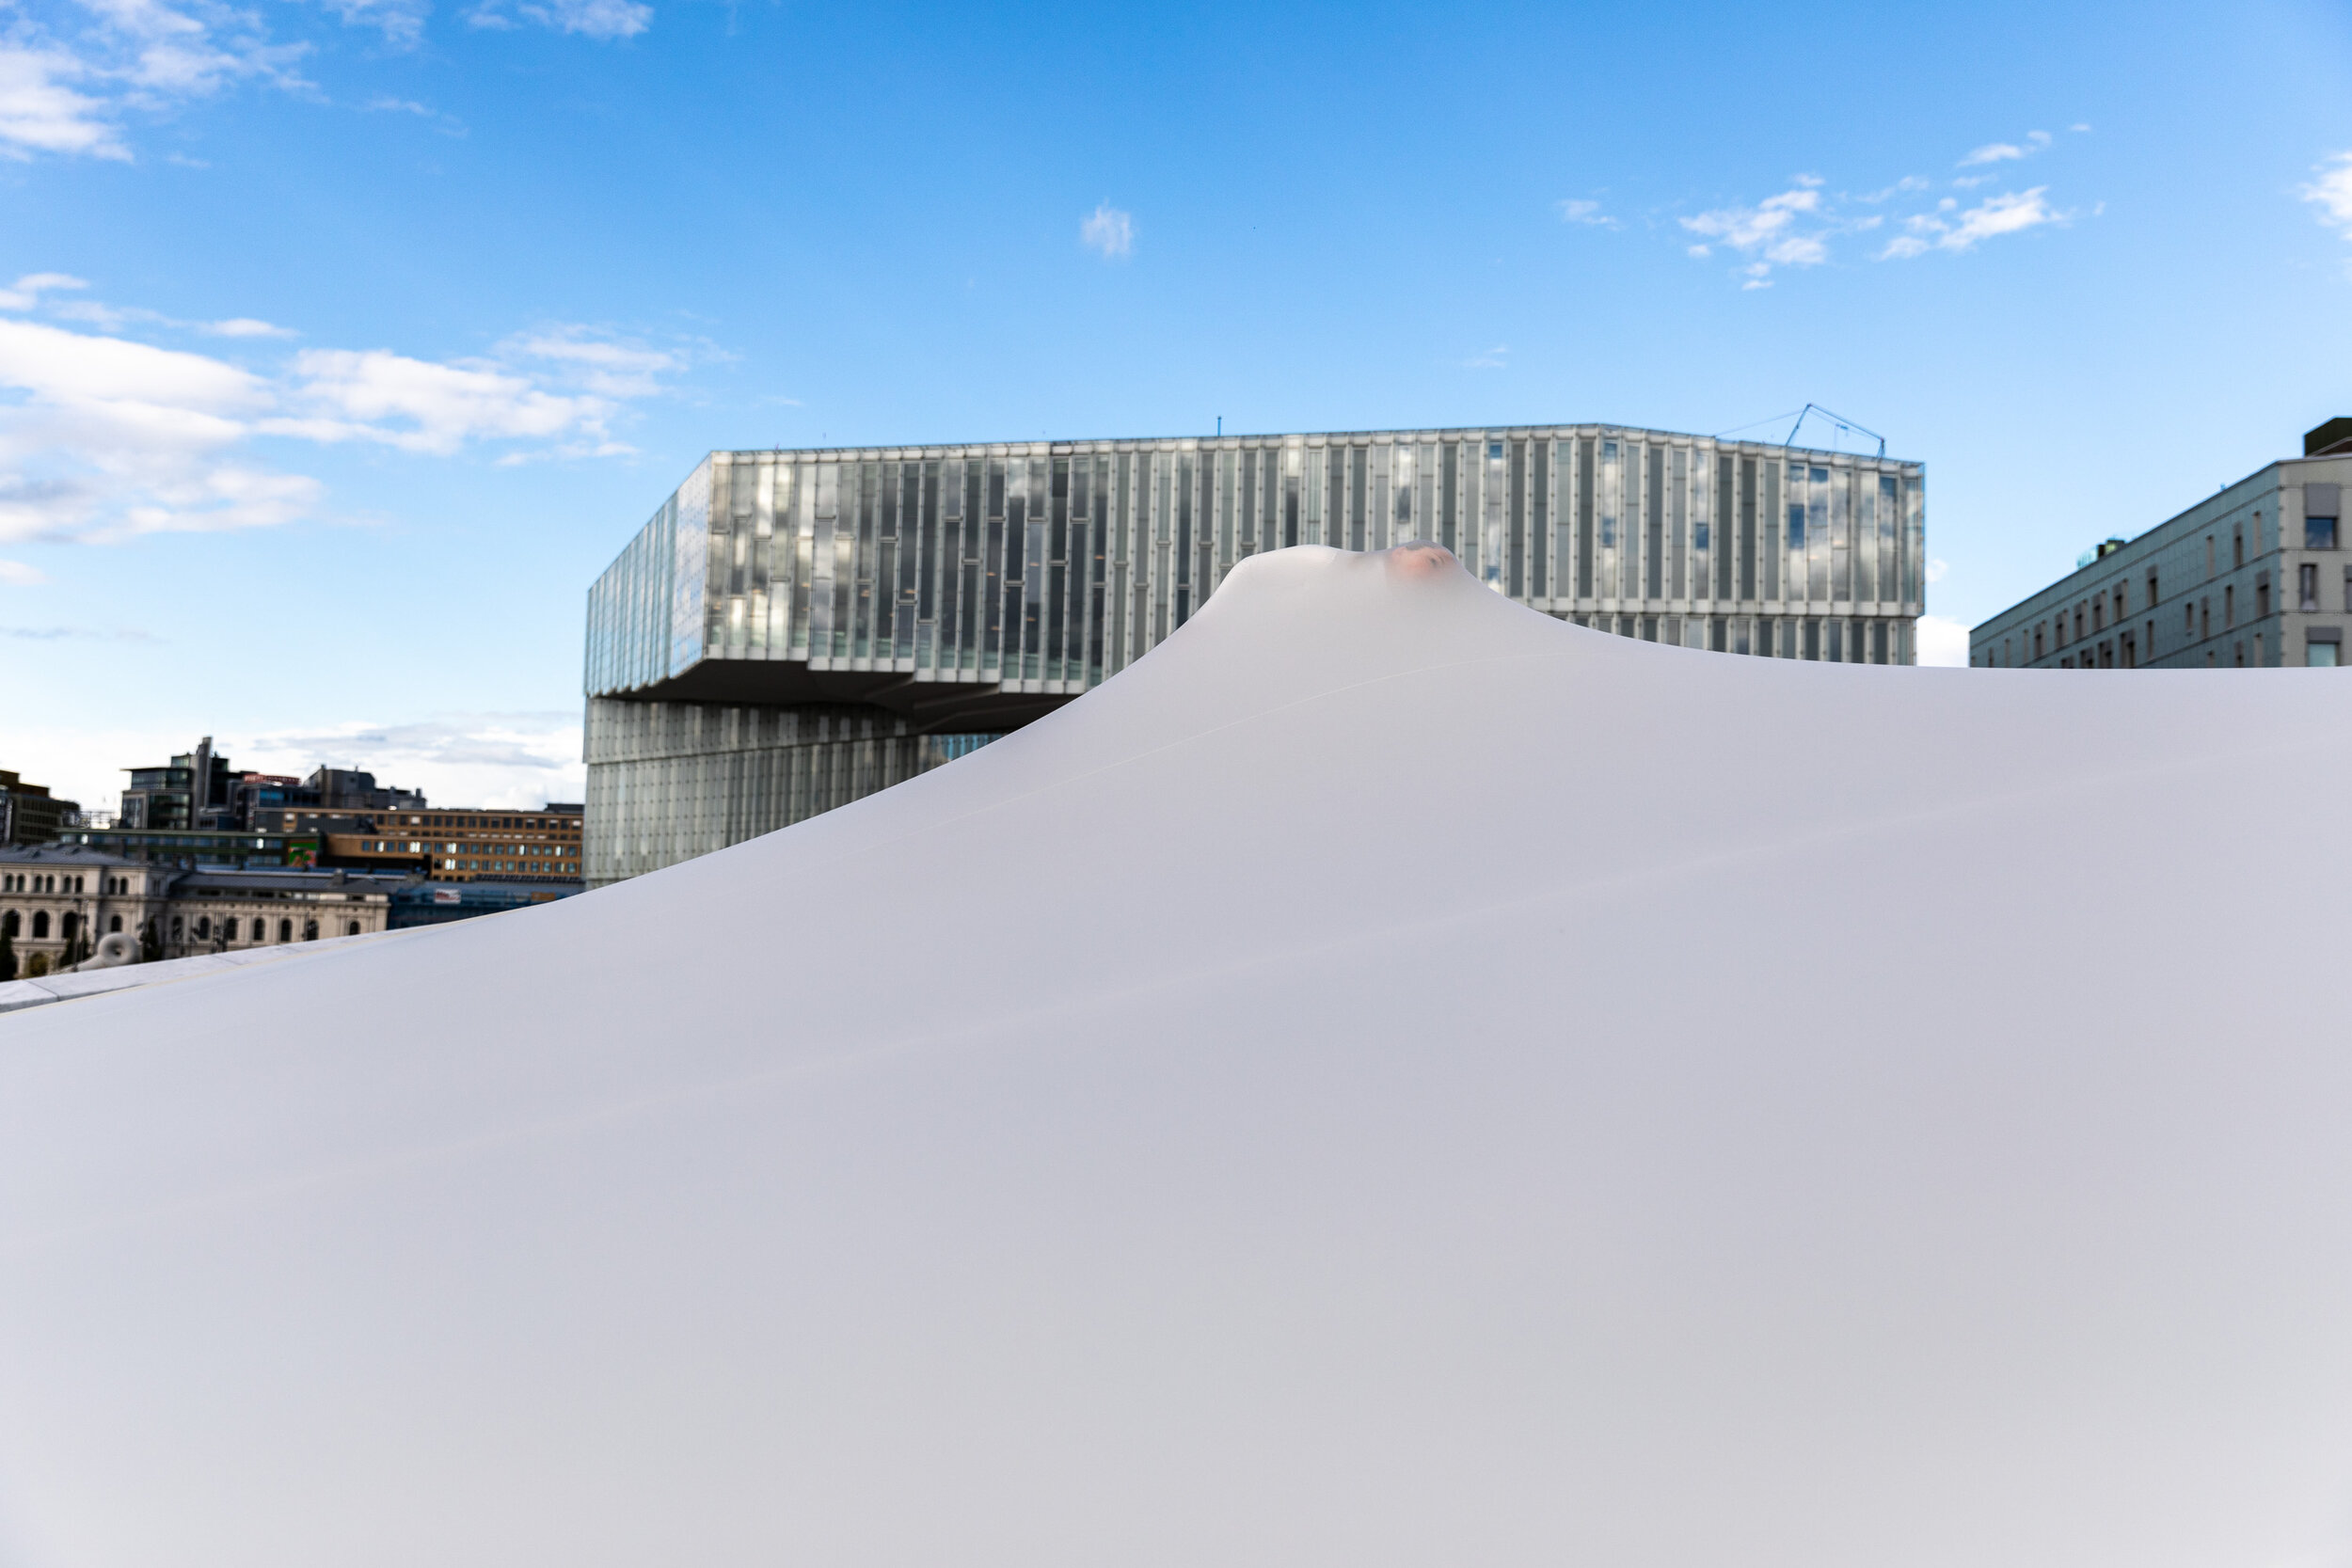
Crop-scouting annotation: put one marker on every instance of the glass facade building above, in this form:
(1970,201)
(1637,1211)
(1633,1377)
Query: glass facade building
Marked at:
(794,629)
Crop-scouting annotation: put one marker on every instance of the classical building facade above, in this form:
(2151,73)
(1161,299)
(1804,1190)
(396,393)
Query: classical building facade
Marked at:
(2255,576)
(53,895)
(794,629)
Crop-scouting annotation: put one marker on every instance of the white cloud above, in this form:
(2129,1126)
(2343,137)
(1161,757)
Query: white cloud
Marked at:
(2010,212)
(39,113)
(595,19)
(401,21)
(1799,227)
(422,405)
(243,327)
(2331,193)
(519,760)
(1936,570)
(26,292)
(1495,359)
(603,366)
(1943,641)
(2002,151)
(1779,230)
(516,761)
(1908,184)
(67,95)
(1586,213)
(16,574)
(66,91)
(1109,230)
(107,437)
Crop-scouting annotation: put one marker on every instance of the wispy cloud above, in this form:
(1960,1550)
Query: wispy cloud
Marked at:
(2331,192)
(1495,359)
(1108,231)
(16,574)
(1780,230)
(78,634)
(67,92)
(1905,186)
(72,77)
(26,292)
(1949,229)
(110,436)
(43,110)
(2002,151)
(243,327)
(1800,226)
(1583,212)
(517,760)
(604,20)
(401,21)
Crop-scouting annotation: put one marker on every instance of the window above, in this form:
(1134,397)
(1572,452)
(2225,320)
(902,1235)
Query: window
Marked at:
(8,923)
(2079,632)
(2319,533)
(2237,546)
(2261,595)
(113,922)
(203,928)
(176,928)
(2099,613)
(351,928)
(309,930)
(285,930)
(2151,587)
(2321,647)
(2228,607)
(2307,587)
(2209,568)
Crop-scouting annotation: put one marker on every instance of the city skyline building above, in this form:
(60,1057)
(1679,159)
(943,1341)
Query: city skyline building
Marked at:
(794,629)
(2253,576)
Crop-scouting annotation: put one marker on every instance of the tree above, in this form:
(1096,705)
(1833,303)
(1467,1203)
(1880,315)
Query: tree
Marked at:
(8,954)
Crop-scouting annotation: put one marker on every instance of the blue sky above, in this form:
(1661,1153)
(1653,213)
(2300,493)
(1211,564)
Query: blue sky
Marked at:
(352,339)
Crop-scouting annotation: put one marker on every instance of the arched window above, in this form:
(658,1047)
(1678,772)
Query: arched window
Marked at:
(351,927)
(40,925)
(228,929)
(67,924)
(113,922)
(7,922)
(309,930)
(285,930)
(203,928)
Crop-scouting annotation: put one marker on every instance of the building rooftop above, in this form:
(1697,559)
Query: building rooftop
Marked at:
(62,854)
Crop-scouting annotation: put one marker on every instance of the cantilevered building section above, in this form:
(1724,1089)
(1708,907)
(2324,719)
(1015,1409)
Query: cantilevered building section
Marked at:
(795,629)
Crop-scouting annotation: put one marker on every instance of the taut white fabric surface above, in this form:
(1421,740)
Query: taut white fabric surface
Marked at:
(1390,1080)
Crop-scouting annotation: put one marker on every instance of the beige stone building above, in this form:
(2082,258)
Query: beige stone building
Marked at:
(53,895)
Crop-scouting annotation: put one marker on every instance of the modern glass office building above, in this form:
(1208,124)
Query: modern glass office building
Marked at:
(794,629)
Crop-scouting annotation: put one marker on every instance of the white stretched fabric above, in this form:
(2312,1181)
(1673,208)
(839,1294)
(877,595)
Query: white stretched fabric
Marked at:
(1390,1079)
